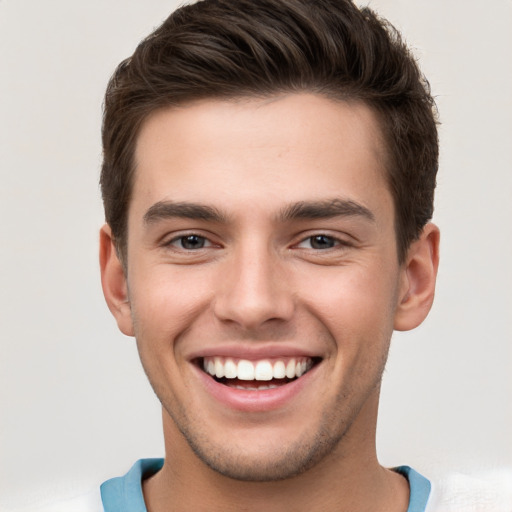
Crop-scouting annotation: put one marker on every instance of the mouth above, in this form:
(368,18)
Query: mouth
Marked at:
(259,375)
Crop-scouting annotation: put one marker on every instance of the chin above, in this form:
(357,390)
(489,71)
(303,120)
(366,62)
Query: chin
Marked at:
(267,463)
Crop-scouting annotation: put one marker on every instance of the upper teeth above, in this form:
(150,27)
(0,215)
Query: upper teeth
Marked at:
(263,369)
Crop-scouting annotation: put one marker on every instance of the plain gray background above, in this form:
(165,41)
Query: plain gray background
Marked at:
(75,407)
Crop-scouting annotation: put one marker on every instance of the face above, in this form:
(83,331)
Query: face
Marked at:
(262,279)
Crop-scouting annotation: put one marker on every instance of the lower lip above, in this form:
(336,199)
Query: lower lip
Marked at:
(254,400)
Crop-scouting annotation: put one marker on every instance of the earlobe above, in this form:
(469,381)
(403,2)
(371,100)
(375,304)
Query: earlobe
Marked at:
(113,282)
(419,280)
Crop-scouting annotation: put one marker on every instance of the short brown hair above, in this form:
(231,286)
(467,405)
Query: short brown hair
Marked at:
(234,48)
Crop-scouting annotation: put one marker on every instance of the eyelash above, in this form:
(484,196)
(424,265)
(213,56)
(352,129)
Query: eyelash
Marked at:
(317,238)
(178,242)
(182,238)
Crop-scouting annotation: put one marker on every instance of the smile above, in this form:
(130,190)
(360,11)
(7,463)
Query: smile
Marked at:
(251,382)
(246,375)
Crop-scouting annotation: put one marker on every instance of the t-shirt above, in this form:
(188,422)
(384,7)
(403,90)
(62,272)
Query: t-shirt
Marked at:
(124,493)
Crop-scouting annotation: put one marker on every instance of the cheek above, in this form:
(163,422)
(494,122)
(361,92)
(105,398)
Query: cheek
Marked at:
(167,303)
(357,307)
(165,296)
(362,291)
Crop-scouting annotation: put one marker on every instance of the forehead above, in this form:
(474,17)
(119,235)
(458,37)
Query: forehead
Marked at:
(241,151)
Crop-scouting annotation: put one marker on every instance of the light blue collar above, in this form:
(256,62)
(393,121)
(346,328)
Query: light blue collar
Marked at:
(124,493)
(419,488)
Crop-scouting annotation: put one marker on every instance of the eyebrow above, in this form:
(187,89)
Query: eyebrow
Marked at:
(325,209)
(301,210)
(169,209)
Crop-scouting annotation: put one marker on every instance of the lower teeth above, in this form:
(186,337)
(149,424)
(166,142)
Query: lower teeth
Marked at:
(251,388)
(254,385)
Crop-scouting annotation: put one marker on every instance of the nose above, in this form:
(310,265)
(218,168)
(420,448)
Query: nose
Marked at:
(254,289)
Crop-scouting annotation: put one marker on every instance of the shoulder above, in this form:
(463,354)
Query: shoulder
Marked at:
(489,491)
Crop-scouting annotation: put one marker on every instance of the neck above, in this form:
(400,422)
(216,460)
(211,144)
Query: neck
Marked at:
(349,479)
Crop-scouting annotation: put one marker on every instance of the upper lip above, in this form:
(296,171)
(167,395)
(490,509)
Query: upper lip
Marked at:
(255,352)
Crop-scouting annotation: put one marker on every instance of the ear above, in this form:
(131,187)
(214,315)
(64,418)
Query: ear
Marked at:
(419,275)
(113,282)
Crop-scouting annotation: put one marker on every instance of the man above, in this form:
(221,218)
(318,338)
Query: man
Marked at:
(268,179)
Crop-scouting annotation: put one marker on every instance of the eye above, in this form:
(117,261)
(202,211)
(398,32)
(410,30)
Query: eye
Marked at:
(319,242)
(190,242)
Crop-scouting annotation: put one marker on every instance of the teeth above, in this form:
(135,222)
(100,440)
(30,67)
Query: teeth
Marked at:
(230,369)
(219,368)
(290,368)
(255,388)
(262,370)
(279,370)
(245,370)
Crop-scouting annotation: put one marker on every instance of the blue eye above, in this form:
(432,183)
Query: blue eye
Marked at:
(190,242)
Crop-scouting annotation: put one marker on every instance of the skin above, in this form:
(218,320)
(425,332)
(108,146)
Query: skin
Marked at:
(259,281)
